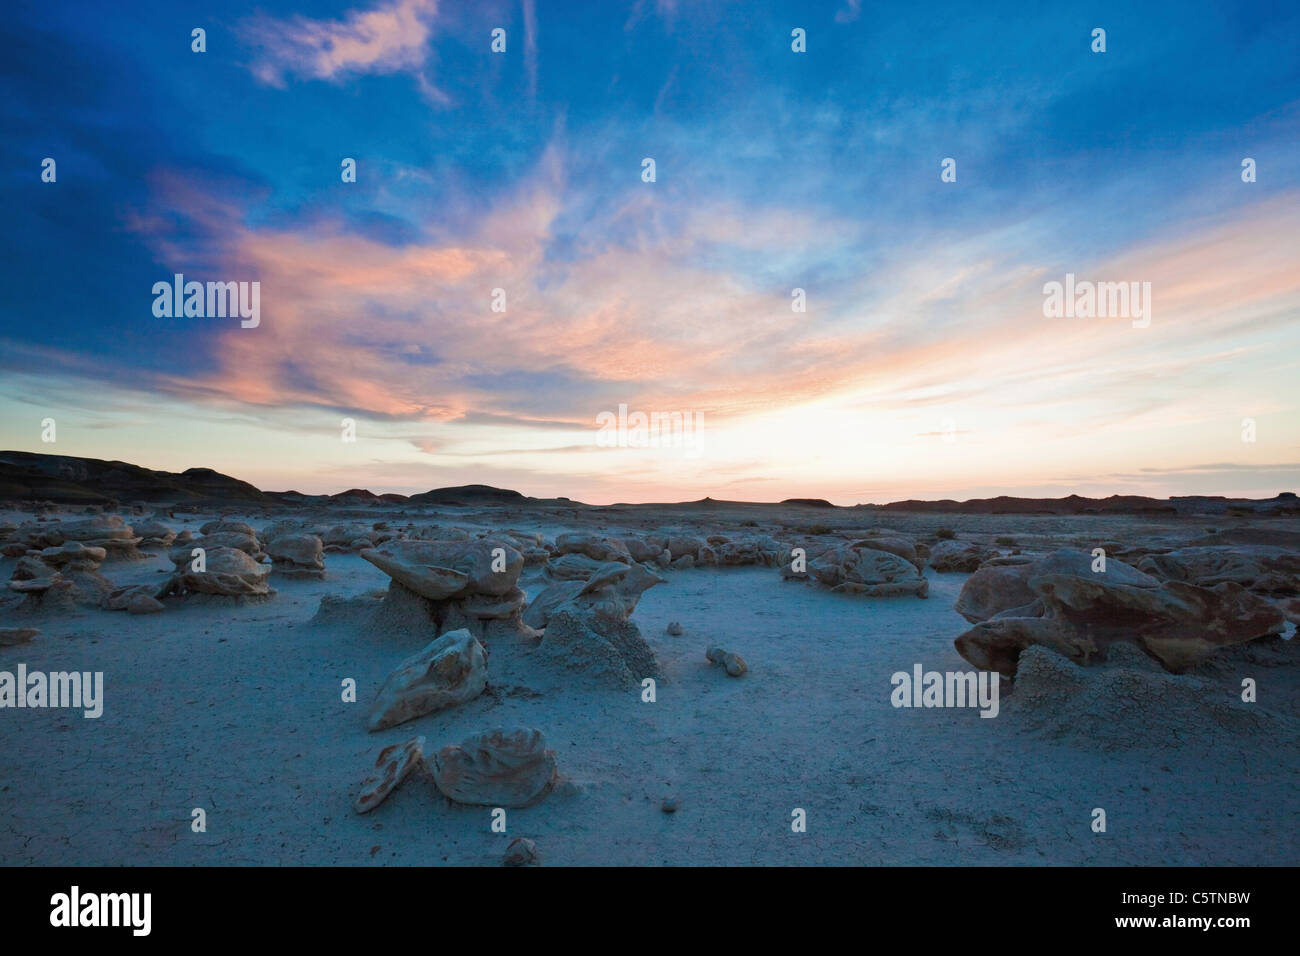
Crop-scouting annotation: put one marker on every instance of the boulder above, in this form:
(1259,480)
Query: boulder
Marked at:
(1079,614)
(228,525)
(572,567)
(182,552)
(228,572)
(1263,569)
(109,532)
(758,550)
(856,569)
(683,545)
(899,546)
(450,671)
(959,556)
(997,589)
(119,599)
(393,765)
(74,556)
(297,554)
(153,533)
(596,547)
(439,570)
(496,769)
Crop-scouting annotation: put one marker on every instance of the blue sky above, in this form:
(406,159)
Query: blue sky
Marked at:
(923,366)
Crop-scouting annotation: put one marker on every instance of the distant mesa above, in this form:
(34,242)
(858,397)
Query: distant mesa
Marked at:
(808,502)
(1069,505)
(363,494)
(466,495)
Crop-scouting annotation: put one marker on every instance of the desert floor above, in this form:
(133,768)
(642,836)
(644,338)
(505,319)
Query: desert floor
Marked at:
(237,709)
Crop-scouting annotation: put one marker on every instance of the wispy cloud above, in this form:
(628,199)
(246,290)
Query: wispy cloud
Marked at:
(389,38)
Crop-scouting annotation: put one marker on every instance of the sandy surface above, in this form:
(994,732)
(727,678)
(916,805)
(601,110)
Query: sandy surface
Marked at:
(237,709)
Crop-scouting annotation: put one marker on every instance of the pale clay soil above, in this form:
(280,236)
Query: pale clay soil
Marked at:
(237,709)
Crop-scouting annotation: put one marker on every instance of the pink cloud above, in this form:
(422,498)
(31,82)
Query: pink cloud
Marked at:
(389,38)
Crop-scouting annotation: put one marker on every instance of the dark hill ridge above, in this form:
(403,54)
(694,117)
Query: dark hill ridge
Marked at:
(72,480)
(1069,505)
(68,479)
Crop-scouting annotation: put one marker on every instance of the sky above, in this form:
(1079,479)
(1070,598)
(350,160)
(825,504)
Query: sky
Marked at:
(504,274)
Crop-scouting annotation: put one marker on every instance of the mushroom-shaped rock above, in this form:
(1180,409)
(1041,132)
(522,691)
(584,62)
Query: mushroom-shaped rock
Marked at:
(109,532)
(450,671)
(444,569)
(74,556)
(153,533)
(500,768)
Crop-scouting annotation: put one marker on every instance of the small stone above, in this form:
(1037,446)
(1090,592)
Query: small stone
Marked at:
(669,805)
(734,663)
(522,852)
(675,629)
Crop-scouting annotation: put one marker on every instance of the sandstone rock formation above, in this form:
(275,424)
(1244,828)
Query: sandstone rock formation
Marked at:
(1263,569)
(496,769)
(228,572)
(959,556)
(1080,614)
(590,630)
(860,569)
(447,585)
(297,554)
(393,765)
(153,533)
(450,671)
(61,576)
